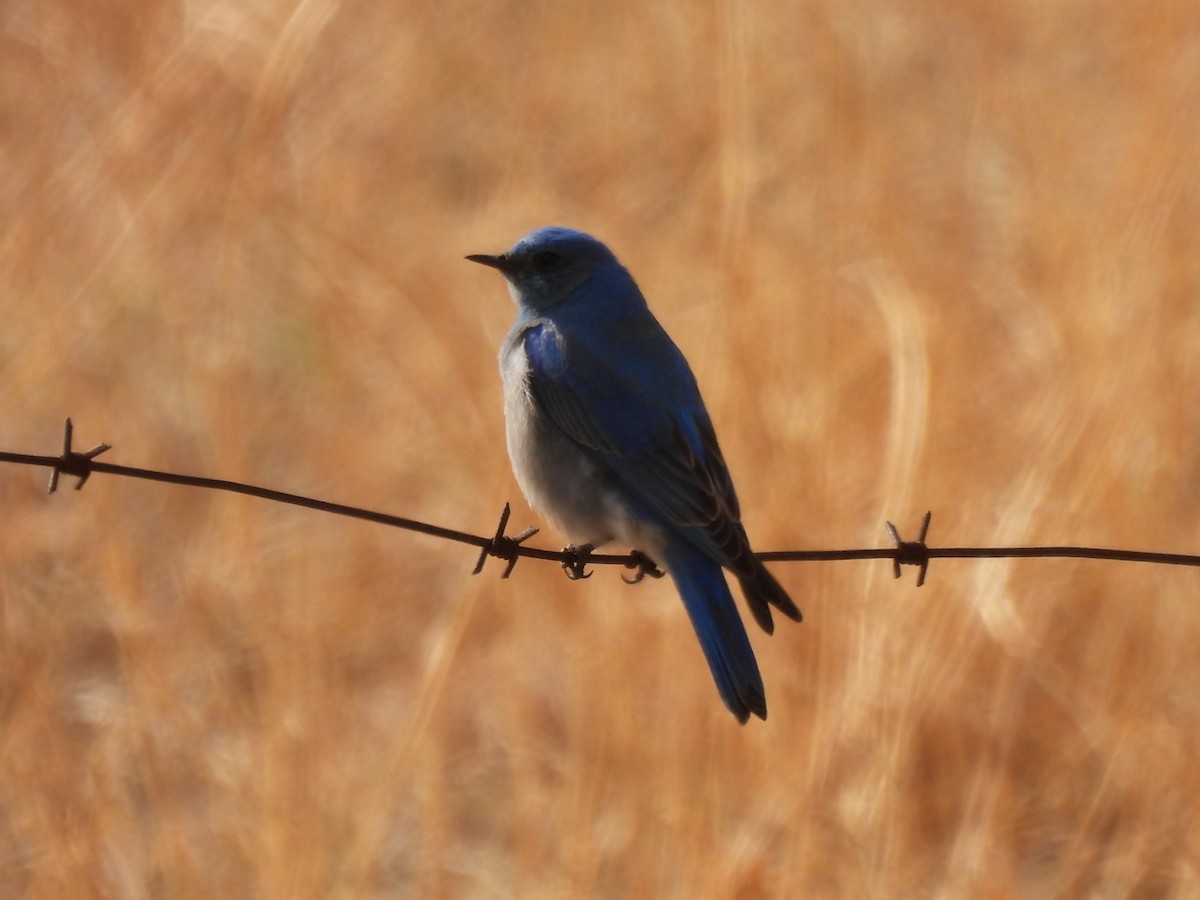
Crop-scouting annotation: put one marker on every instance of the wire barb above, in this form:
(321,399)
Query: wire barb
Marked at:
(643,566)
(503,547)
(72,463)
(911,553)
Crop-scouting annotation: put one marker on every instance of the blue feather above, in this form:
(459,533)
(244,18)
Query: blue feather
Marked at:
(709,603)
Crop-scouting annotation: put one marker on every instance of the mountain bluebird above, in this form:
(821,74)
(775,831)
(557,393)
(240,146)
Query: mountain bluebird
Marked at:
(609,439)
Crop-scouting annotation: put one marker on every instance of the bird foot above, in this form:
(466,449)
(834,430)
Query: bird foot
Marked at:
(642,566)
(575,560)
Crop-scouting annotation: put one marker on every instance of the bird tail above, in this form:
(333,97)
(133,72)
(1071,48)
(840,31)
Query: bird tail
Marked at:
(714,615)
(762,592)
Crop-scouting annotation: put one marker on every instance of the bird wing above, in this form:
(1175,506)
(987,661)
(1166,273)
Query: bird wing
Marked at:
(660,444)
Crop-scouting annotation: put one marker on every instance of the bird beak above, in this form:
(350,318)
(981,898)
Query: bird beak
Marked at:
(496,262)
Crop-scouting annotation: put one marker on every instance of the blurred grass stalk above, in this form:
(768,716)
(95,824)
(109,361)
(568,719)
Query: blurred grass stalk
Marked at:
(920,255)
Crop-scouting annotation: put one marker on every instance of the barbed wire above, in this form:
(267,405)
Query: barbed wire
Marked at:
(574,560)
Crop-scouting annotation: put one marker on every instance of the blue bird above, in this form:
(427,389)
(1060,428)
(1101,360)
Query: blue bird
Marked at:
(610,440)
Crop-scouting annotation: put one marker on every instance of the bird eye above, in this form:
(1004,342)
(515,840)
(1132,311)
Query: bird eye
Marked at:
(546,260)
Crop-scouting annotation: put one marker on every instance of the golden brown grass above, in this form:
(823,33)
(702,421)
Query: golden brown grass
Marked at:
(920,255)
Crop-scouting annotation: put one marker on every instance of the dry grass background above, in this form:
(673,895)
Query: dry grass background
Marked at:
(921,255)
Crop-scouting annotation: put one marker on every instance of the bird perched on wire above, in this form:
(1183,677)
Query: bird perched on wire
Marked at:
(610,440)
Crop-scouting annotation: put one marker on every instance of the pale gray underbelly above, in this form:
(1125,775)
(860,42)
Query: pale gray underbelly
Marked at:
(561,480)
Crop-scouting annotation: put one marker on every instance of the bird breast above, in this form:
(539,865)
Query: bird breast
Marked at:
(561,479)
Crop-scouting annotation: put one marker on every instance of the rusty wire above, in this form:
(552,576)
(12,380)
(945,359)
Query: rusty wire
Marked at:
(574,560)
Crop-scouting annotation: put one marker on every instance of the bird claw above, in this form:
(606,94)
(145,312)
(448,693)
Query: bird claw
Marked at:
(575,561)
(643,566)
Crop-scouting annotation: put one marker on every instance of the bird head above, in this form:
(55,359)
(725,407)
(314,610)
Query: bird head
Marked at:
(546,266)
